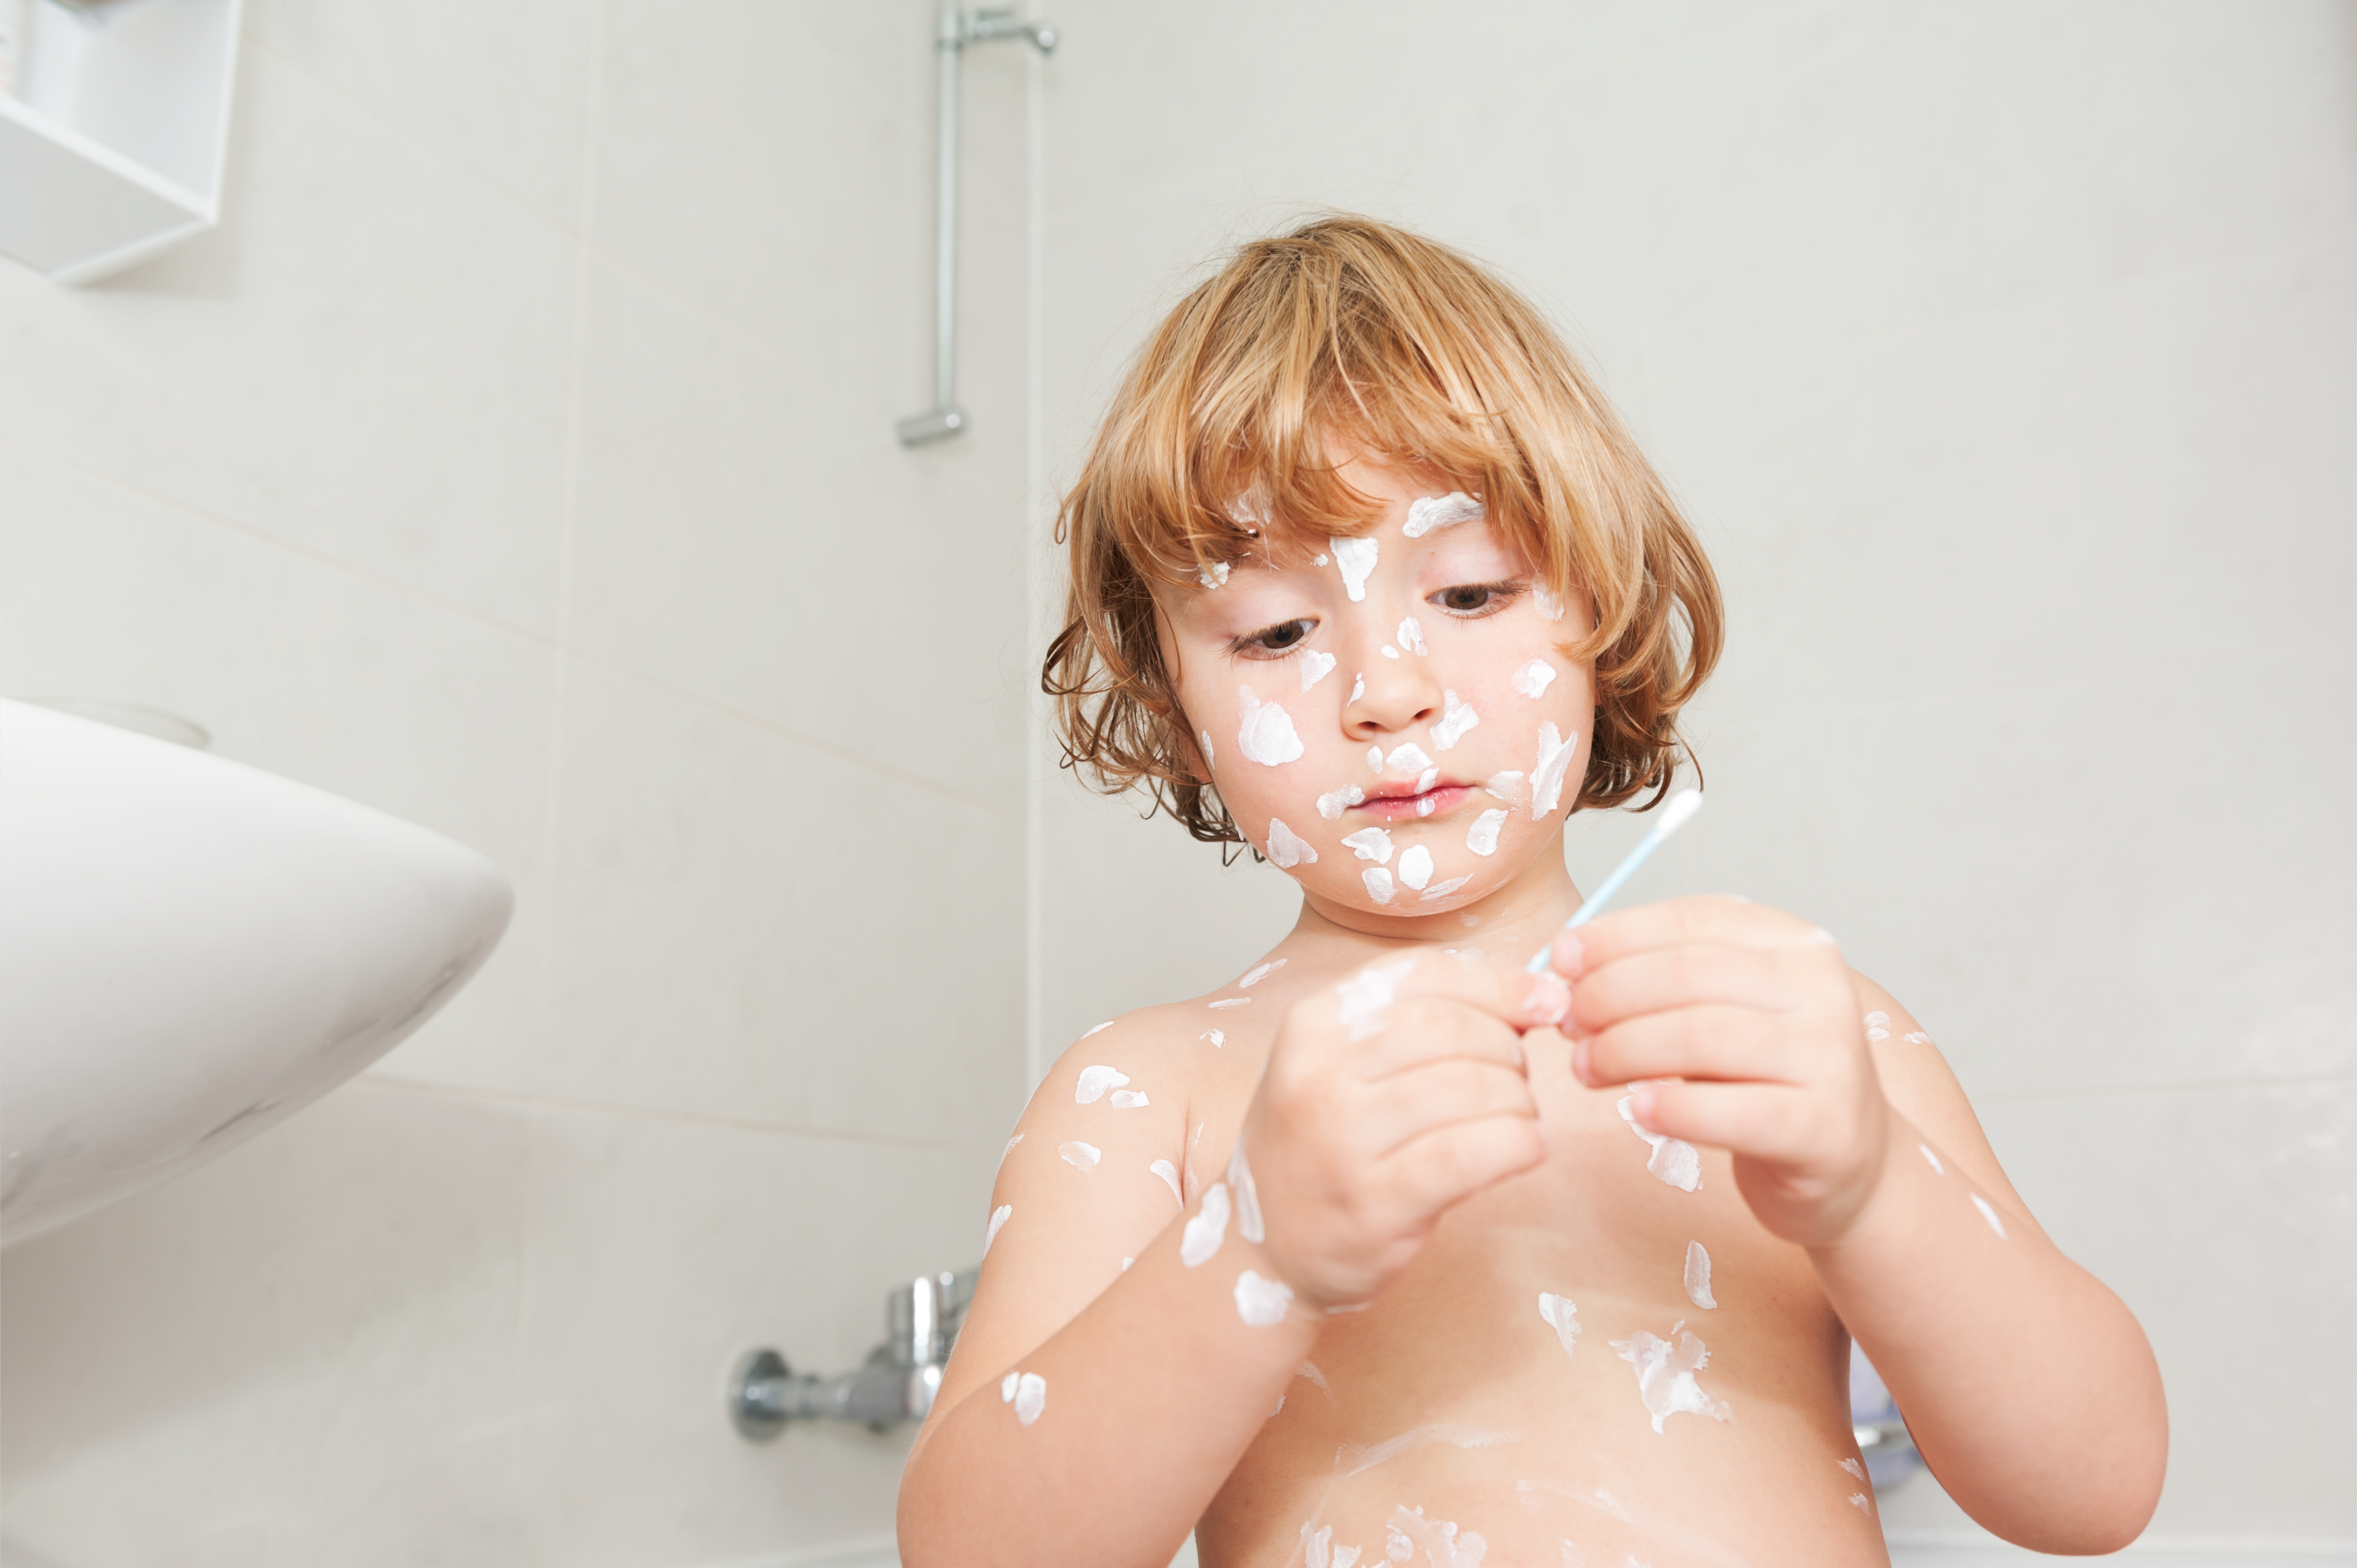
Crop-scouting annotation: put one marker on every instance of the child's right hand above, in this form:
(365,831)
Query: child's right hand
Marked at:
(1387,1100)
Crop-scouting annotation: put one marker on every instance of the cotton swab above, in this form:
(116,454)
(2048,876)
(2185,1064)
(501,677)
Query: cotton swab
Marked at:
(1680,809)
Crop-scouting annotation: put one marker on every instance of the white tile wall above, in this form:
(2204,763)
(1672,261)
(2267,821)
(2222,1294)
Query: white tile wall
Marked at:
(2006,359)
(518,459)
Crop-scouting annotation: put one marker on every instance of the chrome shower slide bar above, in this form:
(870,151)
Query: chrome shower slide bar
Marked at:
(958,27)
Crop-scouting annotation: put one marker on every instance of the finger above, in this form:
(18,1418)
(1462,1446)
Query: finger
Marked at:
(1707,918)
(1766,1120)
(1730,1044)
(1423,1029)
(1364,1000)
(1659,978)
(1438,1094)
(1448,1165)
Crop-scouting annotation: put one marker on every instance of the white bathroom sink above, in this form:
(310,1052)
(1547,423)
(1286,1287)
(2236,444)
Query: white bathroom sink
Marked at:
(191,950)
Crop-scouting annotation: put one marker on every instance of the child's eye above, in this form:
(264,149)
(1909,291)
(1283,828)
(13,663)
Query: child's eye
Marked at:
(1282,638)
(1473,600)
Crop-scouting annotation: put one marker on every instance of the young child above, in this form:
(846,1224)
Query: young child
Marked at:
(1390,1252)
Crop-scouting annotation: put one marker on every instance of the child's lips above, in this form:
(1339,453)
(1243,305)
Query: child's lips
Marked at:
(1401,805)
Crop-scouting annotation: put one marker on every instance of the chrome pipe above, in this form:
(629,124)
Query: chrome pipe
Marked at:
(954,29)
(895,1384)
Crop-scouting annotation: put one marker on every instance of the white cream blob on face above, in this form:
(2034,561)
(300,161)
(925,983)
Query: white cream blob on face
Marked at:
(1095,1082)
(1989,1214)
(1315,667)
(1209,1228)
(1530,679)
(1443,889)
(1080,1155)
(1265,734)
(1169,1175)
(1673,1160)
(1214,576)
(1427,514)
(1415,866)
(1358,688)
(1562,1315)
(1370,843)
(1376,757)
(1697,1280)
(1287,848)
(1205,736)
(1546,776)
(998,1217)
(1548,605)
(1378,883)
(1334,802)
(1261,1303)
(1507,787)
(1354,558)
(1424,783)
(1410,636)
(1665,1374)
(1457,716)
(1482,838)
(1408,759)
(1366,994)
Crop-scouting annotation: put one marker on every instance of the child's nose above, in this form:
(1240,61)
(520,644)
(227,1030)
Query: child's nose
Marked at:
(1394,690)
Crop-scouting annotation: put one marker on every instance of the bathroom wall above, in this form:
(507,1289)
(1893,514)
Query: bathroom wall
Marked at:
(2007,359)
(518,459)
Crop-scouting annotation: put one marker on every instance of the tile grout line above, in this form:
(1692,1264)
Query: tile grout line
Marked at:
(711,705)
(531,1100)
(2189,1086)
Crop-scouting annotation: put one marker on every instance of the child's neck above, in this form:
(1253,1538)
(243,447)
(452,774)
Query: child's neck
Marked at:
(1509,924)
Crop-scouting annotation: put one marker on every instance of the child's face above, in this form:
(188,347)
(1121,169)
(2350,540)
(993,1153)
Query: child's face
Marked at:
(1395,704)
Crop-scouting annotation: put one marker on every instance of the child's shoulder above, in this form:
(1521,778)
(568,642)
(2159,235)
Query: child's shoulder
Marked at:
(1202,1049)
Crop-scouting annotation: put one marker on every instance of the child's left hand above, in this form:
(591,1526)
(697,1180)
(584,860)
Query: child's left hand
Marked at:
(1756,1010)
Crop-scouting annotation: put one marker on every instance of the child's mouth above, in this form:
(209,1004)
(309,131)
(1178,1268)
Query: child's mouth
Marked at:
(1400,804)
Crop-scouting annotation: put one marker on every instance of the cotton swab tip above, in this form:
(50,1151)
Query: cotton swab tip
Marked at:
(1678,813)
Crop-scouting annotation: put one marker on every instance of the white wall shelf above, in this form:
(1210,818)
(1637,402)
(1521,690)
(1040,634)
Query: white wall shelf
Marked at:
(112,141)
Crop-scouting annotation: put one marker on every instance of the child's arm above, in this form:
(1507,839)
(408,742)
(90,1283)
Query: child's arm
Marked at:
(2028,1387)
(1152,1382)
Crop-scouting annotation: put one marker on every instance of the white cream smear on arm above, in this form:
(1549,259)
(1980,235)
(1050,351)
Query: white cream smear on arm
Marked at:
(1457,716)
(1561,1314)
(1095,1082)
(1530,679)
(1027,1391)
(1080,1155)
(1665,1374)
(1209,1227)
(1128,1099)
(1673,1160)
(1287,849)
(1265,733)
(1169,1174)
(1262,1303)
(1698,1276)
(998,1217)
(1354,558)
(1989,1214)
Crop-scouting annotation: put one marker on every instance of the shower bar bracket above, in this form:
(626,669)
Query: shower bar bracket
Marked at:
(958,27)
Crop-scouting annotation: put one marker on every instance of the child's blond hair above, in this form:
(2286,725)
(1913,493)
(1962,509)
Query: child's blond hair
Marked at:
(1349,332)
